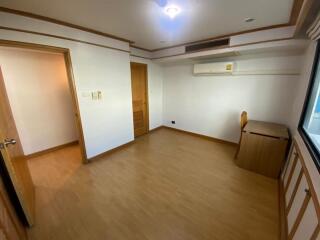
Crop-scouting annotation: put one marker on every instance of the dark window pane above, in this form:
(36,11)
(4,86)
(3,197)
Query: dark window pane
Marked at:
(309,126)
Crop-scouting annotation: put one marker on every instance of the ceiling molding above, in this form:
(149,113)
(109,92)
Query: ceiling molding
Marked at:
(295,11)
(33,46)
(238,45)
(61,37)
(222,36)
(134,55)
(141,48)
(309,10)
(56,21)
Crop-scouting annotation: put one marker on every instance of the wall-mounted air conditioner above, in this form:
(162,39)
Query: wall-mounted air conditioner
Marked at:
(213,68)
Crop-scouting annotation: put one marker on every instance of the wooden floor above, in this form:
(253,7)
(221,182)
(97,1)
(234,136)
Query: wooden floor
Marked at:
(165,186)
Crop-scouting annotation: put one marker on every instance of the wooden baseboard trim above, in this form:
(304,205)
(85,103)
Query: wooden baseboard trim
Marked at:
(37,154)
(106,153)
(202,136)
(131,142)
(282,212)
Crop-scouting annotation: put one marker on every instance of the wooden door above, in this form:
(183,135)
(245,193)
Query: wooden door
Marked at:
(139,85)
(10,226)
(14,159)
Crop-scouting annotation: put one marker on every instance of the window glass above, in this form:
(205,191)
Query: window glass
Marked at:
(310,121)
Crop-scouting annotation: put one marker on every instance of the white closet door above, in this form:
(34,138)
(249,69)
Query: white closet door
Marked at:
(308,223)
(288,167)
(293,182)
(297,203)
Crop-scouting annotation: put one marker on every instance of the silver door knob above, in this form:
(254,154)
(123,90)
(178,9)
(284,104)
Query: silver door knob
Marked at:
(9,142)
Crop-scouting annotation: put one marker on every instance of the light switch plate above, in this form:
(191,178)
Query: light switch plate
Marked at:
(99,95)
(94,95)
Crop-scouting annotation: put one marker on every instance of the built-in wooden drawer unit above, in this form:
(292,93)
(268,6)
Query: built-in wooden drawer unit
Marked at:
(300,202)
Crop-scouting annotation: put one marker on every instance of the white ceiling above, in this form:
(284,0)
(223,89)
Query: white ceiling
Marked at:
(144,21)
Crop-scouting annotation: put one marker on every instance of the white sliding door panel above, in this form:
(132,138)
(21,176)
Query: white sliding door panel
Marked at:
(289,167)
(293,181)
(308,223)
(297,202)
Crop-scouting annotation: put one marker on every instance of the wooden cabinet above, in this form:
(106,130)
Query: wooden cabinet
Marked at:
(263,147)
(301,205)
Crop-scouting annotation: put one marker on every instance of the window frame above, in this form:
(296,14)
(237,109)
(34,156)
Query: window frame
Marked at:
(314,152)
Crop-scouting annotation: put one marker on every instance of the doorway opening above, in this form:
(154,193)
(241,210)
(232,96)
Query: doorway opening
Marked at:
(39,113)
(41,91)
(140,105)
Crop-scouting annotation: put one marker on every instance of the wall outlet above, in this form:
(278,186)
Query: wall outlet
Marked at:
(173,122)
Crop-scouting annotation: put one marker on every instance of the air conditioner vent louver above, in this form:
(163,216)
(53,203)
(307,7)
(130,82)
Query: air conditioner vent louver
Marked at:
(208,45)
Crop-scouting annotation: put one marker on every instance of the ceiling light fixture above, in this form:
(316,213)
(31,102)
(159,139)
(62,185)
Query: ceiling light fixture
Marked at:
(249,20)
(172,11)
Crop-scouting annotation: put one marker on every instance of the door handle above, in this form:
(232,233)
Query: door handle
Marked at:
(9,142)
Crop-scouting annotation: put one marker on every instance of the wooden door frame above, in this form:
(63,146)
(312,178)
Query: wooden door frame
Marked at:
(71,82)
(147,88)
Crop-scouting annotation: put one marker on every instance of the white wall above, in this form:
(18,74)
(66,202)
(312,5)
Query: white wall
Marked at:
(155,81)
(40,99)
(211,105)
(107,123)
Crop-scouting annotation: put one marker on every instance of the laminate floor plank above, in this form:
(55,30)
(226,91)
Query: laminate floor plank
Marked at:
(167,185)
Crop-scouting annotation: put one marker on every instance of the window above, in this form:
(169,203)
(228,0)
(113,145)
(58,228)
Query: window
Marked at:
(309,126)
